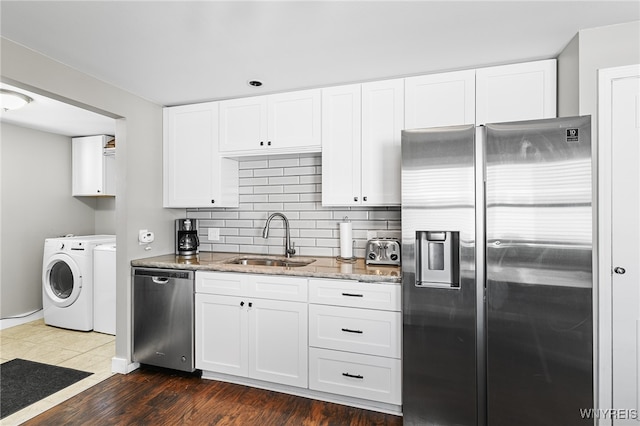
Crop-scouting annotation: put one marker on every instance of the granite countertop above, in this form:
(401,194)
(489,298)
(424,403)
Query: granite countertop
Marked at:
(321,267)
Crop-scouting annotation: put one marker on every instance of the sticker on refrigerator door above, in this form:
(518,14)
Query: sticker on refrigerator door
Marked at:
(572,135)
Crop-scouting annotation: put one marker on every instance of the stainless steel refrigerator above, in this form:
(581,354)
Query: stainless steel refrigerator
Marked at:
(497,274)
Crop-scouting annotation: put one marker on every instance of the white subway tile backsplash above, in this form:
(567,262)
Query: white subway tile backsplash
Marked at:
(268,172)
(293,187)
(299,171)
(257,164)
(284,180)
(284,162)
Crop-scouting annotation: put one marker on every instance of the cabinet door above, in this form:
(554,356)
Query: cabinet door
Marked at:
(341,117)
(515,92)
(109,175)
(221,342)
(88,166)
(294,121)
(190,140)
(382,122)
(243,124)
(278,342)
(445,99)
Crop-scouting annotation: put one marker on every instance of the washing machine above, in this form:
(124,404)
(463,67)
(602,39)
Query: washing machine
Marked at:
(67,280)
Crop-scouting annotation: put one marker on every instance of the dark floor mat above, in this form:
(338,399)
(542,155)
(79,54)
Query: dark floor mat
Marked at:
(24,382)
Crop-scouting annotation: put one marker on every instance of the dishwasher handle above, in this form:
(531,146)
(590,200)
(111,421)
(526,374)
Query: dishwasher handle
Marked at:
(160,280)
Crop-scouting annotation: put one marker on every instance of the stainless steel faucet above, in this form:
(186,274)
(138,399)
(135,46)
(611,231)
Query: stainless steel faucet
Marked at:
(288,248)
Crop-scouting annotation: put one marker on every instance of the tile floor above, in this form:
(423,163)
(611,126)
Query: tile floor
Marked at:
(35,341)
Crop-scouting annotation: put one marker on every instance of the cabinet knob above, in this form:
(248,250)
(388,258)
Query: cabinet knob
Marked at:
(269,143)
(98,190)
(619,270)
(241,303)
(364,198)
(213,201)
(261,143)
(250,304)
(355,198)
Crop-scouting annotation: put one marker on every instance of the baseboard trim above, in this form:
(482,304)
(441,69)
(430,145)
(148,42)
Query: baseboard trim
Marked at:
(123,366)
(307,393)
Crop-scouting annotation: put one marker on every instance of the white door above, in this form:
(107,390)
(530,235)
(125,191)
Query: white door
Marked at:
(190,153)
(445,99)
(525,91)
(243,124)
(294,120)
(341,134)
(382,124)
(278,342)
(221,334)
(625,239)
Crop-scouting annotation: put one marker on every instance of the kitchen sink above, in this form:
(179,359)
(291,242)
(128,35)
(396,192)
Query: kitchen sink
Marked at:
(261,261)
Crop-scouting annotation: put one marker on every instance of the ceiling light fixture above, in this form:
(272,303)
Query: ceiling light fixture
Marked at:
(254,83)
(10,100)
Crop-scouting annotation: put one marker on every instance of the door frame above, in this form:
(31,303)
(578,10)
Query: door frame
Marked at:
(603,224)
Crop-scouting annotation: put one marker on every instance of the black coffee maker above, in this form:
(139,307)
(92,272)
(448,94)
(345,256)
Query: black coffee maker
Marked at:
(187,241)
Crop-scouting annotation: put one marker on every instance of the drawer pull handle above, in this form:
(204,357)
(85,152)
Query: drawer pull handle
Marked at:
(352,295)
(355,376)
(352,331)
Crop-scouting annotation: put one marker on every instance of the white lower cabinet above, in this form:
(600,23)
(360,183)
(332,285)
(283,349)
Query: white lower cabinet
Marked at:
(278,342)
(222,334)
(248,336)
(330,336)
(355,375)
(355,339)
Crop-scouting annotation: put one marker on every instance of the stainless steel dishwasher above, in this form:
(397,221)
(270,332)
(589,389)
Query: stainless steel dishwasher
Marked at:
(163,318)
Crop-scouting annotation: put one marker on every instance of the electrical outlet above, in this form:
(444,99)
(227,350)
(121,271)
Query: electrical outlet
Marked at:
(213,234)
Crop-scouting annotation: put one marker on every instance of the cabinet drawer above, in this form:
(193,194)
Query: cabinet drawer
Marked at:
(364,331)
(221,283)
(355,375)
(355,294)
(278,287)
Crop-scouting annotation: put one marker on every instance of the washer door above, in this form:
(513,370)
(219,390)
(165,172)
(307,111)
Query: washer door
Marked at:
(62,280)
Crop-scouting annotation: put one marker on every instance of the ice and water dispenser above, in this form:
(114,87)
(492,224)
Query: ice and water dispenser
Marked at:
(438,259)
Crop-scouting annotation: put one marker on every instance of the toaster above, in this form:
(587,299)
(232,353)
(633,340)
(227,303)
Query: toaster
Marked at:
(383,251)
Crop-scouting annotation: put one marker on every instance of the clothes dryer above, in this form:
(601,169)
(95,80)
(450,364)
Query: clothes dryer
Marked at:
(67,280)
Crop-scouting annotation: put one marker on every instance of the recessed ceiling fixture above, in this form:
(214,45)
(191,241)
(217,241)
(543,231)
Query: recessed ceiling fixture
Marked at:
(10,100)
(254,83)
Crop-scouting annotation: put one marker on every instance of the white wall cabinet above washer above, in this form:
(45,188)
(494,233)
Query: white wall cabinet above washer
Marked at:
(274,124)
(194,173)
(93,166)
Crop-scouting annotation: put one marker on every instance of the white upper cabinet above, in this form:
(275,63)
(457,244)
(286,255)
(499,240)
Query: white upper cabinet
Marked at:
(361,126)
(193,169)
(282,123)
(93,166)
(516,92)
(444,99)
(382,123)
(341,145)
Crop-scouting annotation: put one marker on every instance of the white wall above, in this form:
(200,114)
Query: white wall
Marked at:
(138,161)
(36,204)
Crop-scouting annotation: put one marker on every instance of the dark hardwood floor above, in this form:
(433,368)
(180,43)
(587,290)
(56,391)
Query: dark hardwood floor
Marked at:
(161,397)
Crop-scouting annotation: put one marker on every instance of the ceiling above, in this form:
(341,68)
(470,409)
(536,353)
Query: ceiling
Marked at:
(179,52)
(50,115)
